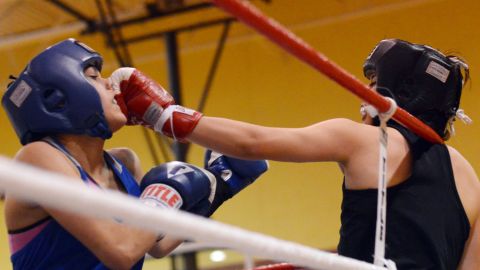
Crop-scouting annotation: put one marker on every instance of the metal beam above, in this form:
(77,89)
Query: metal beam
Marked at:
(117,34)
(107,31)
(91,24)
(179,149)
(181,29)
(214,66)
(212,71)
(116,41)
(153,14)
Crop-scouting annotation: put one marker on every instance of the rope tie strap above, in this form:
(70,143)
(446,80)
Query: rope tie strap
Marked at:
(379,253)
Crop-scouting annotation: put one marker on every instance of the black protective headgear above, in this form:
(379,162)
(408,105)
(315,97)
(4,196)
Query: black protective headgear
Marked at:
(420,79)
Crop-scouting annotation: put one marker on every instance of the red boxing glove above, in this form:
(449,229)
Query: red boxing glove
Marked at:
(177,122)
(141,99)
(145,102)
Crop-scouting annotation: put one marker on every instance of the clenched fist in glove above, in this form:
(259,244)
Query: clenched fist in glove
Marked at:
(179,185)
(196,190)
(145,102)
(232,175)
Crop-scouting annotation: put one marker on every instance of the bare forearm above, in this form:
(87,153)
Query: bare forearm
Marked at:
(230,137)
(116,245)
(132,241)
(164,247)
(323,141)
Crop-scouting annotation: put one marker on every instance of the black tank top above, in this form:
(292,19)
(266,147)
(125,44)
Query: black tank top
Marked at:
(427,226)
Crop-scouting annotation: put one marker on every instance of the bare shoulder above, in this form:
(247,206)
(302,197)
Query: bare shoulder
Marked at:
(365,134)
(45,156)
(129,158)
(344,128)
(126,155)
(344,124)
(356,133)
(467,183)
(20,214)
(461,164)
(339,139)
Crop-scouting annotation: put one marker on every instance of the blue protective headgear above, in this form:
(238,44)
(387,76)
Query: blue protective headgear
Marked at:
(422,80)
(53,96)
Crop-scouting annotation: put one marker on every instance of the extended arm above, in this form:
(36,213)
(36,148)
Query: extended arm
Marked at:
(331,140)
(144,101)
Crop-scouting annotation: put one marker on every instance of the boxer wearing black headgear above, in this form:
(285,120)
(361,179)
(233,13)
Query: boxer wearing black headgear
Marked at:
(422,80)
(433,192)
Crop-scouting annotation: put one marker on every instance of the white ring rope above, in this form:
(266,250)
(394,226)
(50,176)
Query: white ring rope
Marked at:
(54,190)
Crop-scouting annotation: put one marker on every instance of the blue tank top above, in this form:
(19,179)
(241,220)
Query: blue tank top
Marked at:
(54,247)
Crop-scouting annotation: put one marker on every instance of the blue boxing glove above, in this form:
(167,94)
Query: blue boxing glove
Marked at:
(232,175)
(179,185)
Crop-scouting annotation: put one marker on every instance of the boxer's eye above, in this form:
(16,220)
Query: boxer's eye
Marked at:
(92,72)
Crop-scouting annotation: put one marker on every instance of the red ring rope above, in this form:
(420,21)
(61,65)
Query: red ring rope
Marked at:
(283,37)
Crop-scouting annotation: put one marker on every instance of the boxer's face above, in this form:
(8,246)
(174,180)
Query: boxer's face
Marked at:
(114,116)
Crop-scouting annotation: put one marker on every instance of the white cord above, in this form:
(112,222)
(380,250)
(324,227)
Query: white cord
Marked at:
(381,225)
(66,194)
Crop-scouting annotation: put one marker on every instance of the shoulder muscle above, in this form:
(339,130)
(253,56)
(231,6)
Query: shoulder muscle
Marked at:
(130,159)
(467,183)
(339,138)
(44,156)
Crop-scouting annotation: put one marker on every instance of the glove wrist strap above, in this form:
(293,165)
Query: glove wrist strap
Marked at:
(177,122)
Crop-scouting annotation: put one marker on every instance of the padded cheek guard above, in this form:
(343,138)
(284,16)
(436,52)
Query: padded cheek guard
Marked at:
(53,96)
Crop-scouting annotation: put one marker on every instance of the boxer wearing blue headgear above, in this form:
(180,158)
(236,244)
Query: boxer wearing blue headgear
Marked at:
(63,111)
(53,95)
(433,209)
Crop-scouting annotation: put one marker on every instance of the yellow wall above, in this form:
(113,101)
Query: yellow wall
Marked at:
(259,83)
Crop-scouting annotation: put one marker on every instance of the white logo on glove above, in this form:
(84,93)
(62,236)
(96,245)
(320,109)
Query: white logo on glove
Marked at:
(175,169)
(160,195)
